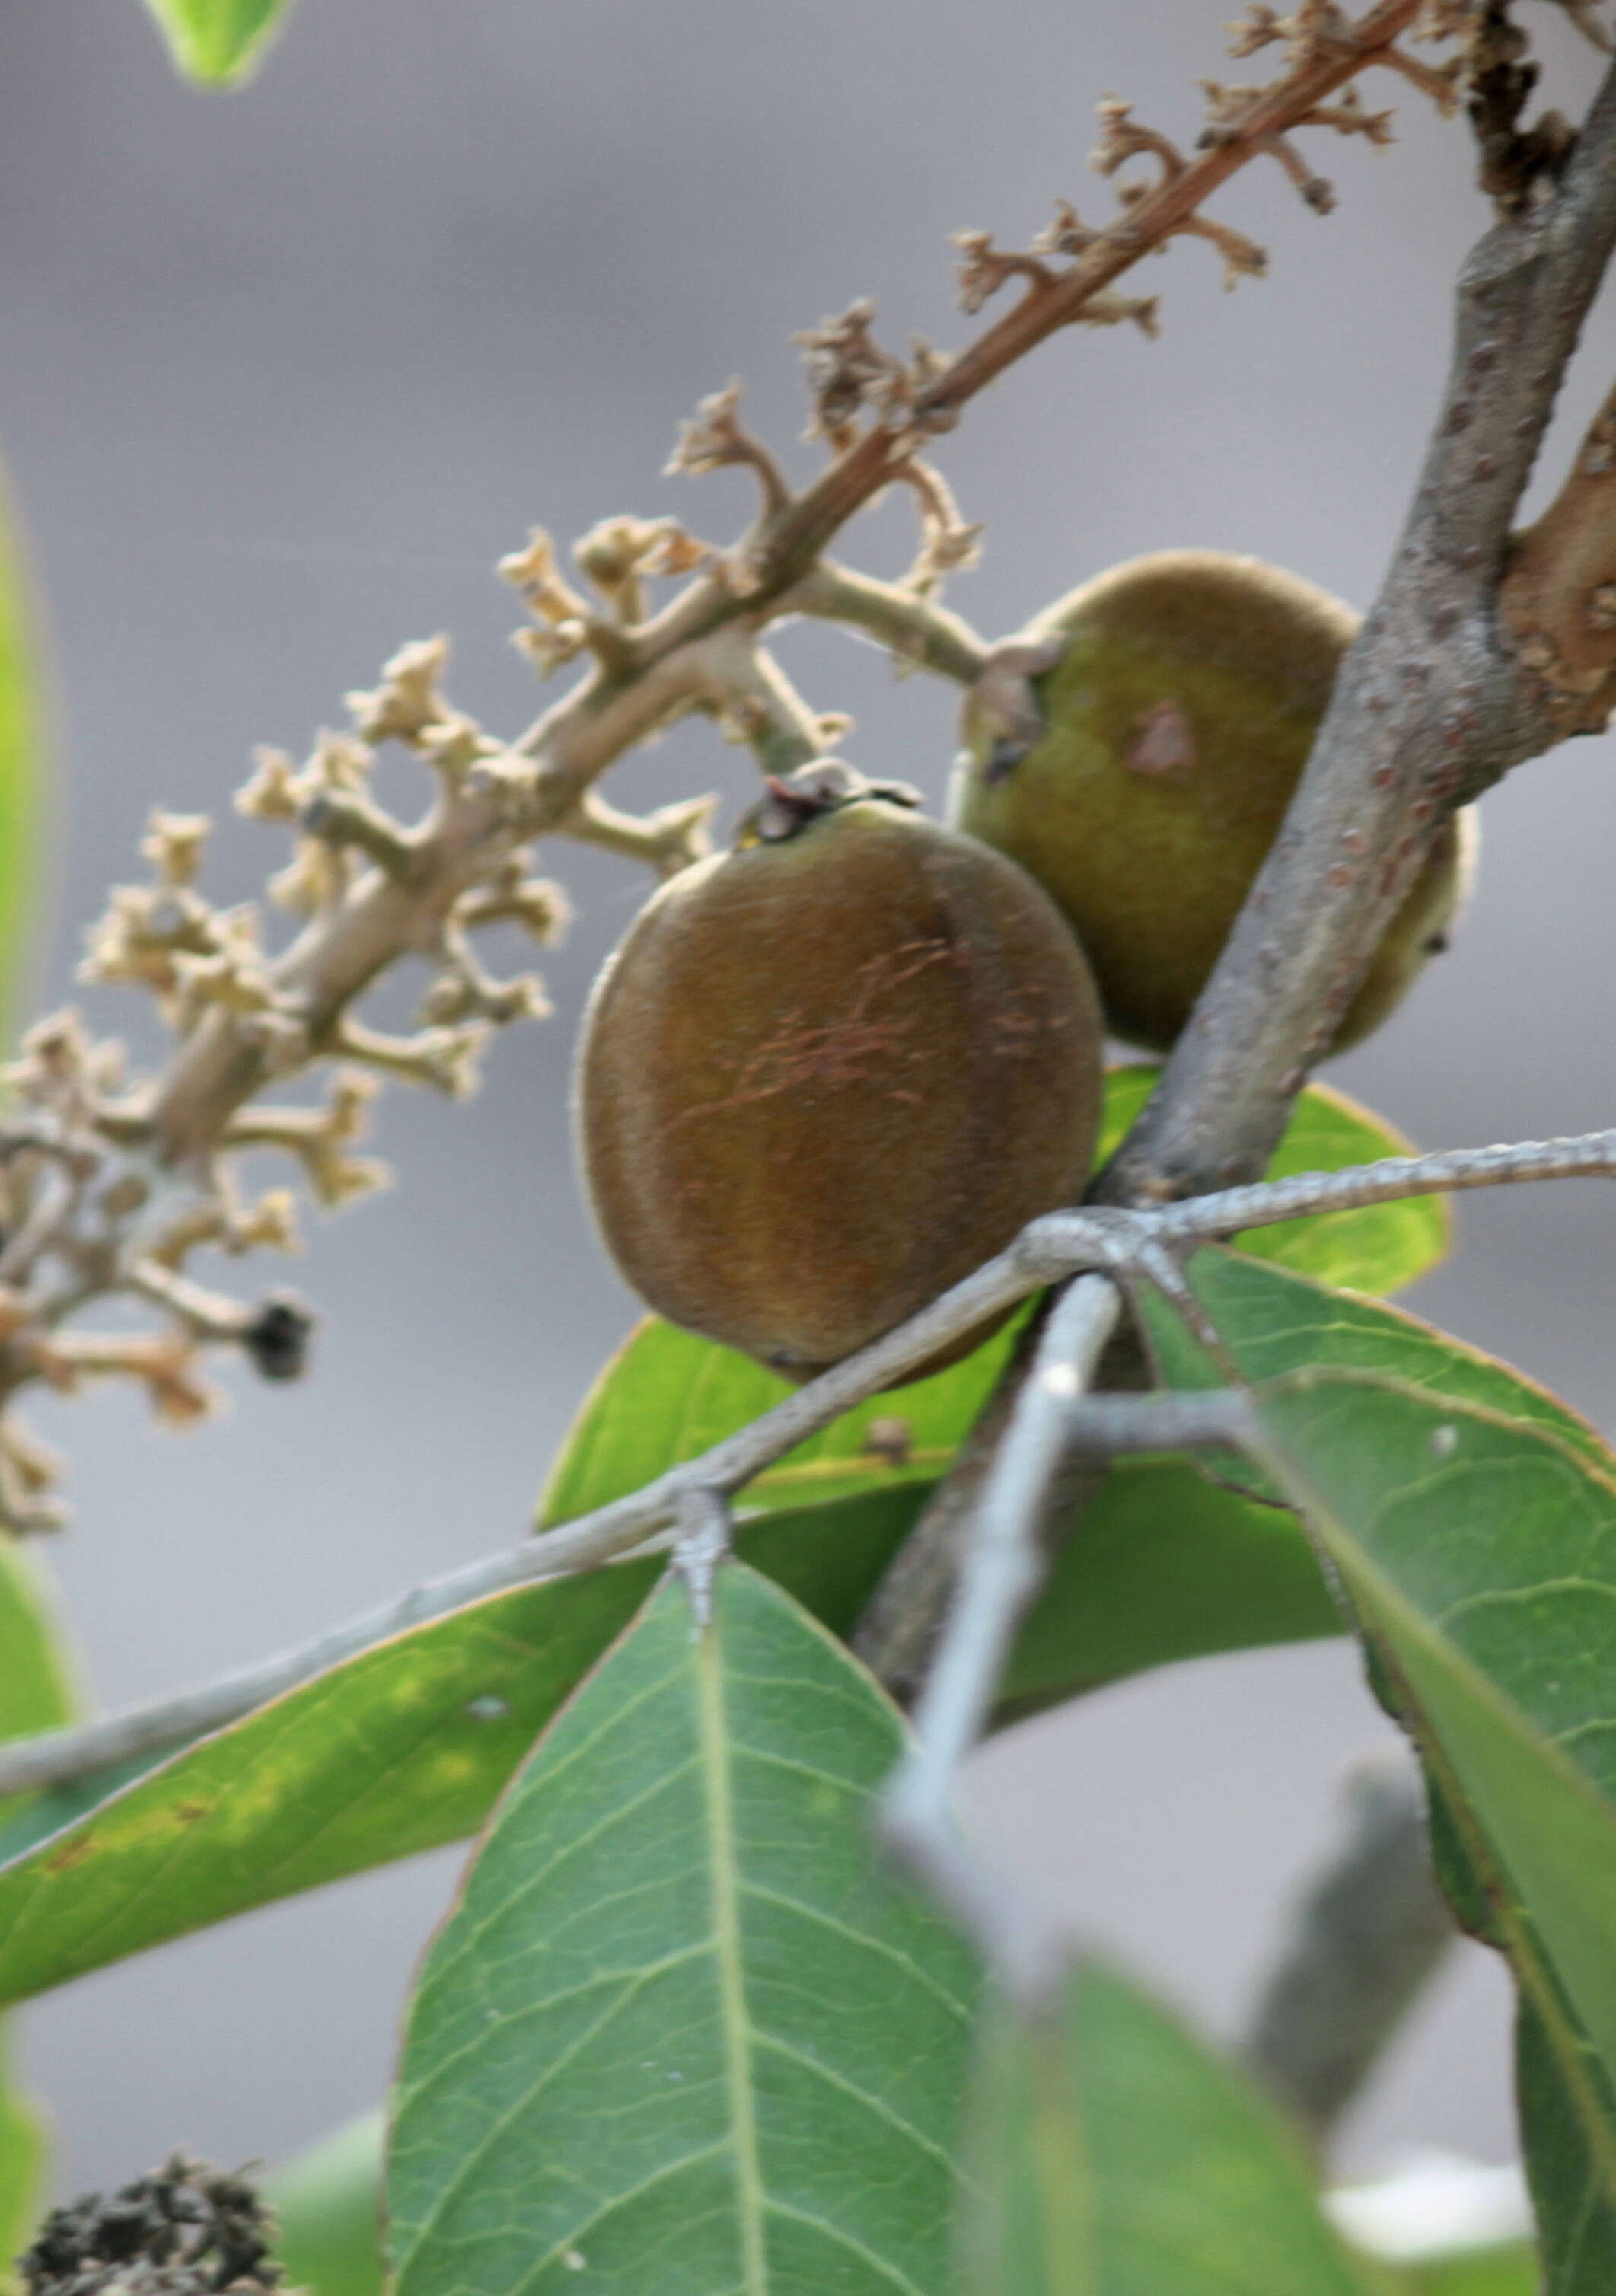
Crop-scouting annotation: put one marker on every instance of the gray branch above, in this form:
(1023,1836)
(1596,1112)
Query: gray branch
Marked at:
(1370,1929)
(1430,707)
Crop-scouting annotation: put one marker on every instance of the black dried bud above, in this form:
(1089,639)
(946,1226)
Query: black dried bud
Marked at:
(186,2230)
(277,1338)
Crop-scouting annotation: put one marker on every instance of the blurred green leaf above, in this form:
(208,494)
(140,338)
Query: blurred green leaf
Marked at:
(1479,1553)
(23,2154)
(1380,1248)
(36,1678)
(218,42)
(22,765)
(1115,2155)
(684,2032)
(1509,2271)
(328,2203)
(34,1696)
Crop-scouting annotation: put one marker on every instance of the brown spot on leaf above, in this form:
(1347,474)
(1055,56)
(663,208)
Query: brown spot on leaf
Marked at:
(70,1854)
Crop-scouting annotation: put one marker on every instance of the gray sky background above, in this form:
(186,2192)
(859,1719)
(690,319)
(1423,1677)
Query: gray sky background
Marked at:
(280,375)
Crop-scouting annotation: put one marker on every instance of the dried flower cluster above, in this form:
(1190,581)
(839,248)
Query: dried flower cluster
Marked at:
(185,2230)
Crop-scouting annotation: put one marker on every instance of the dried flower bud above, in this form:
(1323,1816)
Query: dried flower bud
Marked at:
(276,1340)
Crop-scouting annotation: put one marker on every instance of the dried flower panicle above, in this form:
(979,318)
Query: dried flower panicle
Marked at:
(185,2230)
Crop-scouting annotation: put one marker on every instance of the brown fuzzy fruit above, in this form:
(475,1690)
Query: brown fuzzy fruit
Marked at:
(829,1073)
(1177,719)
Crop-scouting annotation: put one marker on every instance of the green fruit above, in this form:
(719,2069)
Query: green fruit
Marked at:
(1178,719)
(829,1073)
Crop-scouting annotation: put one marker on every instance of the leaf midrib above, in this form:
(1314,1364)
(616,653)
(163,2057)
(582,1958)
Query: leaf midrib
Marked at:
(718,1811)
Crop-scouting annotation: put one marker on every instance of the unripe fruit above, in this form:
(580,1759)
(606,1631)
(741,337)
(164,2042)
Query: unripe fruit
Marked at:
(830,1072)
(1178,719)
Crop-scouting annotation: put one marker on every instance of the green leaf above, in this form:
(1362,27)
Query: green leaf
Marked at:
(667,1396)
(34,1696)
(23,2156)
(1479,1553)
(1165,1566)
(398,1749)
(1273,1322)
(683,2032)
(218,42)
(1170,1564)
(328,2203)
(35,1680)
(1380,1248)
(1567,2108)
(22,758)
(1116,2156)
(1512,2271)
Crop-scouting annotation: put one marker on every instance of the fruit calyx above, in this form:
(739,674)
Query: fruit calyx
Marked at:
(793,800)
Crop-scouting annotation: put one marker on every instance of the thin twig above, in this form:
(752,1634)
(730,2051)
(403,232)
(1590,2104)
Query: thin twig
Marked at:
(701,1540)
(1047,1249)
(626,1526)
(1588,1155)
(897,1635)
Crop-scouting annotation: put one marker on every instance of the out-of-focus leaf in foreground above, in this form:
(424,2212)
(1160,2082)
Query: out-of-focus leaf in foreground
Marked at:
(1116,2156)
(327,2202)
(34,1696)
(218,43)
